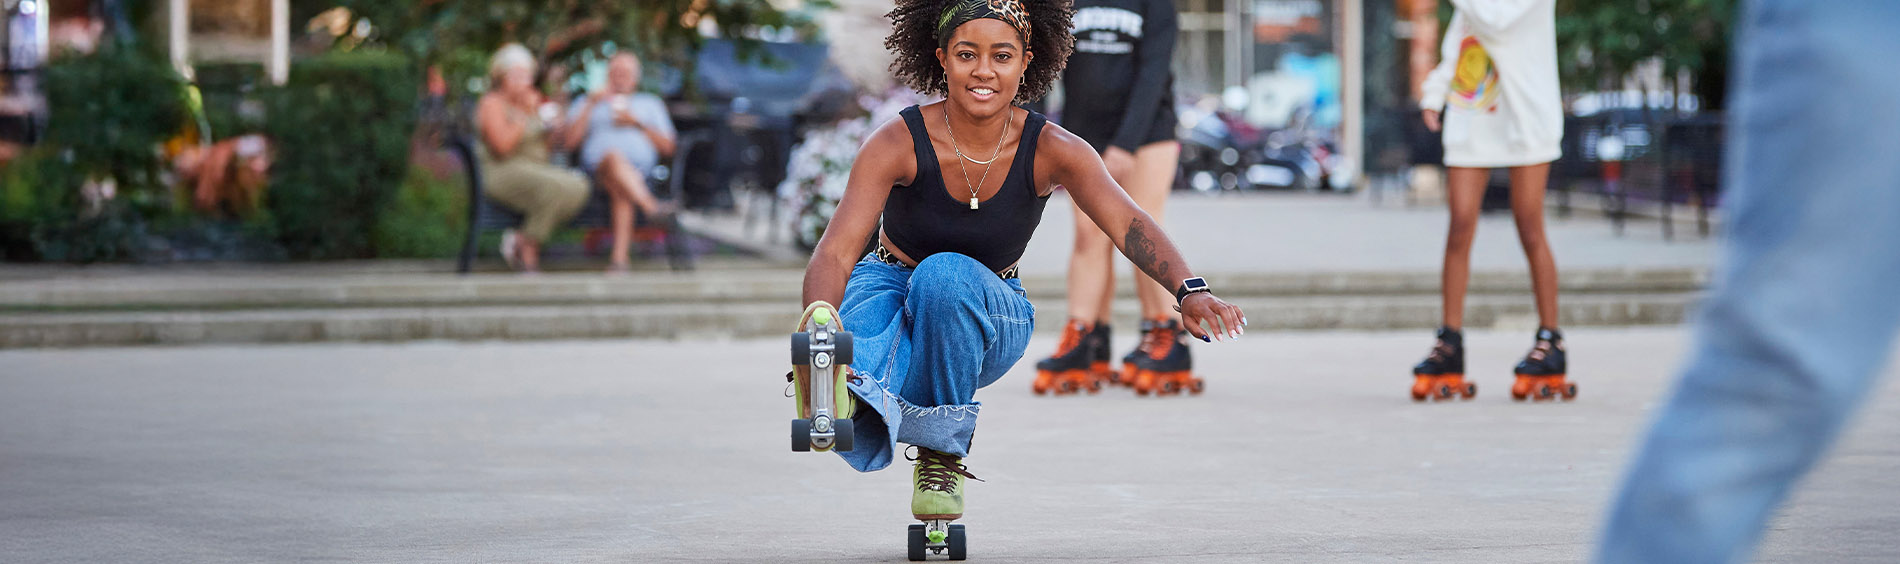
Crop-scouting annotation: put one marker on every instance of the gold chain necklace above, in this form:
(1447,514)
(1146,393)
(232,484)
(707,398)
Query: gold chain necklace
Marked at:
(1008,119)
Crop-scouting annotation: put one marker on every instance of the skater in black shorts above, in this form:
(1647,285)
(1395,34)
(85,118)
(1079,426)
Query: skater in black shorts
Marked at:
(1120,99)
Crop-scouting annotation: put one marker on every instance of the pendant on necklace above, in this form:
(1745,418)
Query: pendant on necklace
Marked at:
(972,202)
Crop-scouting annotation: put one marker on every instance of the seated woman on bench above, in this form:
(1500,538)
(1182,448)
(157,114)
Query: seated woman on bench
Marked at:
(514,158)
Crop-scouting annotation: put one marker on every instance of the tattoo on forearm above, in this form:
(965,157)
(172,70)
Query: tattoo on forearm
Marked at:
(1140,249)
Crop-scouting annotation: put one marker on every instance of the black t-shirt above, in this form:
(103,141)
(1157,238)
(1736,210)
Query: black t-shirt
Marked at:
(1118,88)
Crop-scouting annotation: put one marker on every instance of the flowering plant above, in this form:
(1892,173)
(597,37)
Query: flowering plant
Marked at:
(820,165)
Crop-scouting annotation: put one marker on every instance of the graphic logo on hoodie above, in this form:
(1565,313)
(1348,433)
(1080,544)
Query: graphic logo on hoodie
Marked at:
(1474,81)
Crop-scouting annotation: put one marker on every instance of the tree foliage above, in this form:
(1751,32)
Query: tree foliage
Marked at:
(456,33)
(1600,42)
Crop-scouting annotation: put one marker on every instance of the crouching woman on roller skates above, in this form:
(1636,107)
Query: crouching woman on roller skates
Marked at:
(936,310)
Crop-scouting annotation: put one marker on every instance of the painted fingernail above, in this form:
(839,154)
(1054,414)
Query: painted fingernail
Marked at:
(1206,340)
(1243,320)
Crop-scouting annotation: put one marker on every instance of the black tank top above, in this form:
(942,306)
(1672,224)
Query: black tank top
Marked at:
(923,219)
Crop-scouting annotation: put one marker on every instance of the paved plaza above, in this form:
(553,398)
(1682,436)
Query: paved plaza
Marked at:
(1304,449)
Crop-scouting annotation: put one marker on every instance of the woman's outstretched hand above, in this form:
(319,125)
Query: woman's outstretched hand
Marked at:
(1225,319)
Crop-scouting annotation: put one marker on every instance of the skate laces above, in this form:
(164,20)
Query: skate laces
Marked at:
(1158,341)
(1441,352)
(938,471)
(1542,349)
(1071,338)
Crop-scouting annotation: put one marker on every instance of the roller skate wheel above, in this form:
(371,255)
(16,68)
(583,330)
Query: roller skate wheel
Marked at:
(1067,387)
(1095,386)
(916,537)
(1169,387)
(842,343)
(1471,390)
(1570,392)
(1544,391)
(842,435)
(1445,391)
(801,435)
(1197,387)
(801,348)
(1418,397)
(957,540)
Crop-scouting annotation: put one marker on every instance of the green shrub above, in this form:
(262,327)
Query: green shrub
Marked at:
(230,93)
(426,219)
(109,112)
(341,126)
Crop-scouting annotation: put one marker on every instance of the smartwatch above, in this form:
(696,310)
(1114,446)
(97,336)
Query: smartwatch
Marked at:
(1195,285)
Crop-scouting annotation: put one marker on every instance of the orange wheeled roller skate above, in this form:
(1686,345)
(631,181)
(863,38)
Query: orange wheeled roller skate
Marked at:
(1541,375)
(1168,368)
(1074,366)
(1441,376)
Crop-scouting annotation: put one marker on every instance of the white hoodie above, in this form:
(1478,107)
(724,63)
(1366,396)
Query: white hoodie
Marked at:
(1513,116)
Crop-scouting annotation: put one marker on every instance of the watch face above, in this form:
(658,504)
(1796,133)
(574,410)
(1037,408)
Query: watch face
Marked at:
(1193,284)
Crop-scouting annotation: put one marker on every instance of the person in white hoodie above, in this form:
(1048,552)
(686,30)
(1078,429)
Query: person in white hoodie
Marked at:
(1495,94)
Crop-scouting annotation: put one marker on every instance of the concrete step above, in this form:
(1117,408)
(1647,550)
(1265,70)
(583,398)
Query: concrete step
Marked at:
(757,318)
(240,291)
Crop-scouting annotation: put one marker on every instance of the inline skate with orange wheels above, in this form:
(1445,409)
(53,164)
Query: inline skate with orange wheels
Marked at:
(1167,369)
(1441,376)
(1541,375)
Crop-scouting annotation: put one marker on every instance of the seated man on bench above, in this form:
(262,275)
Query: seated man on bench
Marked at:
(622,135)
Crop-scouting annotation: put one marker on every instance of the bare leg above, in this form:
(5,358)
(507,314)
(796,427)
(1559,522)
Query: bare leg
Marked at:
(1153,177)
(1091,273)
(620,175)
(528,251)
(626,188)
(1527,205)
(1464,194)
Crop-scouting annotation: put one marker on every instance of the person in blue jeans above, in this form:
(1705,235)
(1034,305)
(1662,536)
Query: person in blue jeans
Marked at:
(1803,310)
(959,186)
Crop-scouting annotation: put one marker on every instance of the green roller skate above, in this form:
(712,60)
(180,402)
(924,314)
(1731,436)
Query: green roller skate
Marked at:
(821,355)
(936,499)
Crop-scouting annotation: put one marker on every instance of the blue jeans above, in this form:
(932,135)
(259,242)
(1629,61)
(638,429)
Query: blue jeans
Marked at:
(924,340)
(1803,309)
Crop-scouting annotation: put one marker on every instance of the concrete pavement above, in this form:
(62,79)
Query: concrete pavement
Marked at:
(1304,449)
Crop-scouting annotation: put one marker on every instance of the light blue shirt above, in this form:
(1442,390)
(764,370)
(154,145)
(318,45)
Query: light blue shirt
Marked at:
(604,135)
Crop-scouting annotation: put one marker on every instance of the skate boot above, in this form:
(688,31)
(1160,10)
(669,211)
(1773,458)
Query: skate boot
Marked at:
(821,355)
(1167,369)
(936,498)
(1069,371)
(1099,369)
(1540,376)
(1126,376)
(1441,375)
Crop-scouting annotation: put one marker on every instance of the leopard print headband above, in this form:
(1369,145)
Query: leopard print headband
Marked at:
(964,11)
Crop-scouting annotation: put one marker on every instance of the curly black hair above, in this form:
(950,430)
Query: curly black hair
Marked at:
(914,40)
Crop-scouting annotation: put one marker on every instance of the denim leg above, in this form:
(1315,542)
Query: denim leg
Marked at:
(970,327)
(1802,313)
(873,311)
(925,339)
